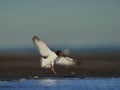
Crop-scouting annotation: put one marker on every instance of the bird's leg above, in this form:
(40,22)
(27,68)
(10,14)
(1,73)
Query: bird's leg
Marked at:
(53,70)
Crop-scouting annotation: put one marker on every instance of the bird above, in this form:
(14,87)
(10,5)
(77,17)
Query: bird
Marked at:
(50,58)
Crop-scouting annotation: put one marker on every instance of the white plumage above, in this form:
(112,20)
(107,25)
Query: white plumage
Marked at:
(42,47)
(48,57)
(64,61)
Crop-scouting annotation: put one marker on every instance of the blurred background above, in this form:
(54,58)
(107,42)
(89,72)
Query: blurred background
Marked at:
(83,25)
(86,30)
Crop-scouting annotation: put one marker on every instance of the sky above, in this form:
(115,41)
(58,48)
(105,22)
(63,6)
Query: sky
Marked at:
(72,23)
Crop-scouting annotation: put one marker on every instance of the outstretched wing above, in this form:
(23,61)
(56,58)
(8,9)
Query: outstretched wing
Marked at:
(64,61)
(42,47)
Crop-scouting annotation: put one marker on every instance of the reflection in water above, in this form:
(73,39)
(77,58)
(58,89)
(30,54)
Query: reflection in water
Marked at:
(48,82)
(61,84)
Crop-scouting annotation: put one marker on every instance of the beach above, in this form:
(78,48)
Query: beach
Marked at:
(27,65)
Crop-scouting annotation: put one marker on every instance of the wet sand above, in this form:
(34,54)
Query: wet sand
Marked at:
(27,65)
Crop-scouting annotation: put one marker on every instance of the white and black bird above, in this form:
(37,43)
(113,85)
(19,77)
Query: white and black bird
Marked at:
(49,58)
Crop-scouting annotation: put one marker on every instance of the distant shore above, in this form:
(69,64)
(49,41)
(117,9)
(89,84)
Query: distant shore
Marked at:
(27,65)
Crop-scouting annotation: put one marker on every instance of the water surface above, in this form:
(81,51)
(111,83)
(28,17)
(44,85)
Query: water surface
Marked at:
(62,84)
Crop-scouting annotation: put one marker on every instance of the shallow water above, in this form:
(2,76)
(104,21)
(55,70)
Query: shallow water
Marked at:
(62,84)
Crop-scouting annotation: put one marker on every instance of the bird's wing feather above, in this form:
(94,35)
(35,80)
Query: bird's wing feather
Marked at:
(64,61)
(42,47)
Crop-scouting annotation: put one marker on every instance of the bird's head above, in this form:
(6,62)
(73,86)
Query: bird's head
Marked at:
(60,53)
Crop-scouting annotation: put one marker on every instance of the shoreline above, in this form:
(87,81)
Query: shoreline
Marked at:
(27,65)
(31,72)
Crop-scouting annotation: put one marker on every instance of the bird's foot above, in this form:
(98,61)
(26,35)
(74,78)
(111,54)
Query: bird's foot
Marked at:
(53,70)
